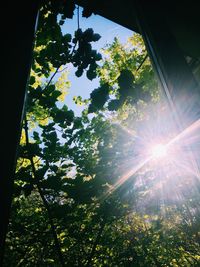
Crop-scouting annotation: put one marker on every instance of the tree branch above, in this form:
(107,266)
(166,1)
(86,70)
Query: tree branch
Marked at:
(45,203)
(98,237)
(144,59)
(78,18)
(54,74)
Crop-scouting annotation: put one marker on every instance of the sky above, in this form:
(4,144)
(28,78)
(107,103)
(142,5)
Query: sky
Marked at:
(108,30)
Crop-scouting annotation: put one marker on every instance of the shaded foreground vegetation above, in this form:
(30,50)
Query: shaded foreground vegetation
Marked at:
(77,199)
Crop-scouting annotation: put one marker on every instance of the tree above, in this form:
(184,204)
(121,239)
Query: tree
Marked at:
(126,75)
(78,201)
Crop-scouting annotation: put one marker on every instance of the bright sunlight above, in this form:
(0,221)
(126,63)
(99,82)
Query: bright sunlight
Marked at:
(159,151)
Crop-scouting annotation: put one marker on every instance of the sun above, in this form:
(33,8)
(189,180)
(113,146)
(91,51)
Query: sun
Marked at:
(159,151)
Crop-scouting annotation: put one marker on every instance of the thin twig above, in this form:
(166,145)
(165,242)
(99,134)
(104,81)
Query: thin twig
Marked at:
(43,118)
(78,27)
(144,59)
(62,70)
(78,18)
(56,71)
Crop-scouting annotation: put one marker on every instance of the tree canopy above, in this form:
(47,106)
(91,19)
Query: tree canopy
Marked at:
(84,195)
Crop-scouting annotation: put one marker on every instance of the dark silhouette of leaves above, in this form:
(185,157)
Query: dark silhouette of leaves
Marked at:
(87,12)
(68,10)
(99,97)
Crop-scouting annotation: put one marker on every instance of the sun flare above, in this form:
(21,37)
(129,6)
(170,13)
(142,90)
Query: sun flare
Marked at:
(159,151)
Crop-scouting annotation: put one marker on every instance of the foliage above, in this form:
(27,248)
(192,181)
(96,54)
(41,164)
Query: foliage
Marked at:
(69,206)
(126,75)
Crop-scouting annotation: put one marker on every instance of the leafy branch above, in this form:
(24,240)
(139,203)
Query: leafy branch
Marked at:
(45,202)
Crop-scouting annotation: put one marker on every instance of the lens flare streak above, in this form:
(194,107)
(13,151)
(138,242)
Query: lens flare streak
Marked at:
(166,150)
(130,173)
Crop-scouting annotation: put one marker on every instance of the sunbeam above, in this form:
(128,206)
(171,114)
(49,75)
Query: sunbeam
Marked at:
(128,174)
(173,156)
(188,131)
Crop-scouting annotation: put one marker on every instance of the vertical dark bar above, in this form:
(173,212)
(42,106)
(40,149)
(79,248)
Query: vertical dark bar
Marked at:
(175,76)
(18,20)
